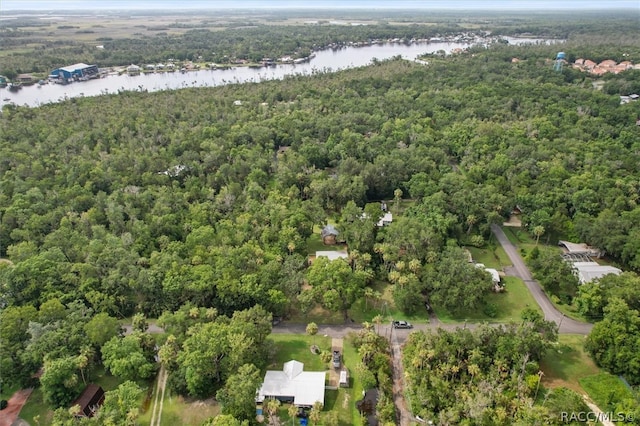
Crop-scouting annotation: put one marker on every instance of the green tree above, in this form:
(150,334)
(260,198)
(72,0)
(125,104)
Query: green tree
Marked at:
(312,330)
(237,397)
(125,358)
(457,284)
(335,284)
(101,328)
(121,405)
(613,342)
(60,382)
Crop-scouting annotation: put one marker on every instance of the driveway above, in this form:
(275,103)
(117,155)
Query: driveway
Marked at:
(520,270)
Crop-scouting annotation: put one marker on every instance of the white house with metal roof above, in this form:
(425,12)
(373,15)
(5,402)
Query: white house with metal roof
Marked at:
(293,384)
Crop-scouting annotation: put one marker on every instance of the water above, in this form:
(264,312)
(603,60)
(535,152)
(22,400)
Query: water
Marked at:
(326,60)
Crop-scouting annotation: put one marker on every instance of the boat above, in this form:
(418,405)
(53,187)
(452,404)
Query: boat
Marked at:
(14,87)
(6,99)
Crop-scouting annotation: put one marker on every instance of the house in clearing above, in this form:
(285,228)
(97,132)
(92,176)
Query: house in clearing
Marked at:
(293,385)
(89,400)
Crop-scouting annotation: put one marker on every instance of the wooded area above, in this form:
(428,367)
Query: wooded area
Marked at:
(179,205)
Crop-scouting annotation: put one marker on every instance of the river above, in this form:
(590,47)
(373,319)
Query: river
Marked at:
(326,60)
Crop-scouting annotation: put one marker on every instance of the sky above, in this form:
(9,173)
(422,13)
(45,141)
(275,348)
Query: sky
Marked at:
(539,5)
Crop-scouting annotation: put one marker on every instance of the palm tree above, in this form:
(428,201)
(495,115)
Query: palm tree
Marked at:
(271,407)
(538,231)
(368,293)
(292,410)
(377,320)
(314,414)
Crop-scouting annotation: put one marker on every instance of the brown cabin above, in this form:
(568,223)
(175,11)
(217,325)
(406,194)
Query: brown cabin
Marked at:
(89,400)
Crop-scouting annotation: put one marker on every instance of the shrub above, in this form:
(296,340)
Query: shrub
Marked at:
(491,310)
(3,404)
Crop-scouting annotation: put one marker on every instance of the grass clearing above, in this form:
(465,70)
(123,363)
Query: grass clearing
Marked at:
(606,390)
(509,304)
(491,257)
(567,363)
(35,406)
(297,346)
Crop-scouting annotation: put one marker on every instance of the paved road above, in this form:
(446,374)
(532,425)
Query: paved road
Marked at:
(520,270)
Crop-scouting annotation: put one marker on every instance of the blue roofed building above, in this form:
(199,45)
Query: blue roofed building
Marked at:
(75,72)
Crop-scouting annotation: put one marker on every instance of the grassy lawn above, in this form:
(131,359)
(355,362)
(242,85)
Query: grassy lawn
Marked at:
(36,406)
(606,390)
(314,244)
(567,363)
(297,346)
(509,304)
(491,257)
(342,400)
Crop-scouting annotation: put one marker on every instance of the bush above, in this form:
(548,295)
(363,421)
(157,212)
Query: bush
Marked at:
(326,356)
(3,404)
(491,310)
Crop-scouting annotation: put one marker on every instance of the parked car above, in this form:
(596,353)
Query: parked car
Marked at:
(402,324)
(336,359)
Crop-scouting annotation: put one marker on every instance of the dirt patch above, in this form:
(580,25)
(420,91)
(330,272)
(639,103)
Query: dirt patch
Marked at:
(15,403)
(557,383)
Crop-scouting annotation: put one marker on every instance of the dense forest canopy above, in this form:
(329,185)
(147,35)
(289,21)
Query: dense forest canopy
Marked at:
(180,205)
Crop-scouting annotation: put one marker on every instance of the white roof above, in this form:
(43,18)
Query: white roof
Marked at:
(332,255)
(387,218)
(305,387)
(74,67)
(589,271)
(495,276)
